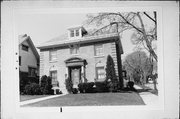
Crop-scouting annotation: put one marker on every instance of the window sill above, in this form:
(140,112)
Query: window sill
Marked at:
(75,54)
(99,56)
(53,61)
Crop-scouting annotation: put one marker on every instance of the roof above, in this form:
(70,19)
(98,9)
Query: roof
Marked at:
(23,38)
(63,40)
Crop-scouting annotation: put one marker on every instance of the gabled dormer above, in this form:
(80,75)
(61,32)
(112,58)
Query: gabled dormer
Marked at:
(76,32)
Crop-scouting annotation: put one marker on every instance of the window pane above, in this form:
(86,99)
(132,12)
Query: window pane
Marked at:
(98,50)
(53,75)
(72,33)
(53,55)
(24,47)
(77,32)
(100,73)
(32,71)
(74,49)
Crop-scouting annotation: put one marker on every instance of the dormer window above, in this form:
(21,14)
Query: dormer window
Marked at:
(77,32)
(72,33)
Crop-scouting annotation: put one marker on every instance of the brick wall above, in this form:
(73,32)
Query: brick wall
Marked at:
(85,52)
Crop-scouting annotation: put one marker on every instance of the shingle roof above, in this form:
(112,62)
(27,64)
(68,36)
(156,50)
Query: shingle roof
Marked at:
(63,39)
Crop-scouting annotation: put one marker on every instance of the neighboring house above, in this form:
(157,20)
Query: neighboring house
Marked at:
(28,57)
(79,56)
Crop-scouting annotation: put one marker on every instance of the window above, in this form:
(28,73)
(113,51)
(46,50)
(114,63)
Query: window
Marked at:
(77,32)
(98,50)
(100,73)
(19,60)
(52,55)
(72,33)
(53,75)
(32,72)
(25,48)
(74,49)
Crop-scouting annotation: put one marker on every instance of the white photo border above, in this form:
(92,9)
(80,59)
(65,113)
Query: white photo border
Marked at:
(14,84)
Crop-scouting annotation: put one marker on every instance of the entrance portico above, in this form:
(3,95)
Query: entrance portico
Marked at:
(75,70)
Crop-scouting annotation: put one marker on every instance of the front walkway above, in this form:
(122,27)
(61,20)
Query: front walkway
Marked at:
(148,98)
(39,99)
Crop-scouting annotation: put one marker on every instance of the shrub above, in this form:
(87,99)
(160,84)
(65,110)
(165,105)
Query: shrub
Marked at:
(25,80)
(46,86)
(74,90)
(69,85)
(86,87)
(81,88)
(113,86)
(110,70)
(130,84)
(58,91)
(102,86)
(33,89)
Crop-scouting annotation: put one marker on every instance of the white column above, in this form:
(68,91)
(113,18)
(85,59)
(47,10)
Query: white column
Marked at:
(67,72)
(82,73)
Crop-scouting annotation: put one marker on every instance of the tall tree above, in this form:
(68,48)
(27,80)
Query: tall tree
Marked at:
(110,70)
(138,65)
(144,32)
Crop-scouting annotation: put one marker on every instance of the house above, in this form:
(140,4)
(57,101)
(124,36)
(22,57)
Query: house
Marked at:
(28,57)
(80,56)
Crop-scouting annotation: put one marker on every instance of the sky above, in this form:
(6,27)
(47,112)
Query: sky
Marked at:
(44,27)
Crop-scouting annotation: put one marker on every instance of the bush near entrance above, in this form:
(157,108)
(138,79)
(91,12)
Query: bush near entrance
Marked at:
(102,86)
(86,87)
(69,85)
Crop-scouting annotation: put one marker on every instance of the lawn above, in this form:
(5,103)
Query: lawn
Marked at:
(29,97)
(94,99)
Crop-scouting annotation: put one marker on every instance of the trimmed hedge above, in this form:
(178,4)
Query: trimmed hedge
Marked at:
(25,80)
(102,86)
(131,84)
(33,89)
(69,85)
(86,87)
(74,90)
(113,86)
(46,86)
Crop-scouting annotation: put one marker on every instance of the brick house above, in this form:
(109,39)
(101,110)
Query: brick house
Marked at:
(79,56)
(28,57)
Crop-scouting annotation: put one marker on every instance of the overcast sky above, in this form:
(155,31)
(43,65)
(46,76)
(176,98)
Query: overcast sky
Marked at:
(44,27)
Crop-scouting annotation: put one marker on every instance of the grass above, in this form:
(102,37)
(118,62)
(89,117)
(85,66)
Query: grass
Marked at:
(93,99)
(29,97)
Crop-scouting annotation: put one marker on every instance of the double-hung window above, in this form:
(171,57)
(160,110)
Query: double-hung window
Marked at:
(77,32)
(32,72)
(25,47)
(53,55)
(98,50)
(53,75)
(74,49)
(72,33)
(100,73)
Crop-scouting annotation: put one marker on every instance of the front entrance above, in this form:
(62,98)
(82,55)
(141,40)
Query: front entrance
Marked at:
(75,75)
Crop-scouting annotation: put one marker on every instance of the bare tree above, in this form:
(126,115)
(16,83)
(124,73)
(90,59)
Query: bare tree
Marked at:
(138,65)
(144,33)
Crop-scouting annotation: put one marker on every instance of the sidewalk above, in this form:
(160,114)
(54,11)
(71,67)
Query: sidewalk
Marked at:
(39,99)
(148,98)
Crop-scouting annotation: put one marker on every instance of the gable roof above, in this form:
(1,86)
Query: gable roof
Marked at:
(23,38)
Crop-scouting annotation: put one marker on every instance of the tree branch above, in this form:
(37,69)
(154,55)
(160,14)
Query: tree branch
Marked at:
(150,17)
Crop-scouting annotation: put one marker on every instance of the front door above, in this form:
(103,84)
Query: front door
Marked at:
(75,76)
